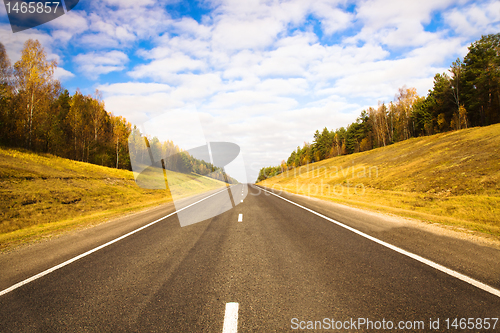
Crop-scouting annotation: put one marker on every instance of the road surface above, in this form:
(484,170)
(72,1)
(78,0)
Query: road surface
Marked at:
(283,265)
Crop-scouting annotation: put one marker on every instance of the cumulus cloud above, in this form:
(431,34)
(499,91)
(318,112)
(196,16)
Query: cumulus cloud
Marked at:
(134,88)
(162,69)
(94,64)
(61,74)
(475,19)
(73,22)
(128,3)
(141,108)
(332,18)
(397,23)
(233,34)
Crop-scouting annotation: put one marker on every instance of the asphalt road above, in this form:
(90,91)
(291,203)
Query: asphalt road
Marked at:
(279,263)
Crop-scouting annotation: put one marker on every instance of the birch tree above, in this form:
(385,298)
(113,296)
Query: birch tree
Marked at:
(34,83)
(6,120)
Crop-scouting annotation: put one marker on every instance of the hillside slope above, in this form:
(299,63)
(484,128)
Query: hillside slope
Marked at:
(42,194)
(451,178)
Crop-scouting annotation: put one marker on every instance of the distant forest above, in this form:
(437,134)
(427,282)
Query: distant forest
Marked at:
(37,114)
(467,96)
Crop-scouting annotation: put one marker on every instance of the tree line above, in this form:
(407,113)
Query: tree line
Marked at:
(467,96)
(37,114)
(152,151)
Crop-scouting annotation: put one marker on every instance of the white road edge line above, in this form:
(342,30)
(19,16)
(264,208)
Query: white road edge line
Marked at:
(437,266)
(67,262)
(240,218)
(231,318)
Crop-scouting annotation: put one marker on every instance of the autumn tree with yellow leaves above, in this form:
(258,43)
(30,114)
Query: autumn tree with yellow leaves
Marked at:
(37,114)
(36,89)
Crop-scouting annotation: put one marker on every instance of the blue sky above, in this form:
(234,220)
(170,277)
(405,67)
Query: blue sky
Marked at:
(263,74)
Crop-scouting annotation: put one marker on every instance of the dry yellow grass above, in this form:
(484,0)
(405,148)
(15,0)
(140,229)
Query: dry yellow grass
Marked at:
(451,178)
(42,195)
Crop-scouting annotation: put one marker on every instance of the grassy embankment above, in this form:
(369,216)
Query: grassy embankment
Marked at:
(450,178)
(44,195)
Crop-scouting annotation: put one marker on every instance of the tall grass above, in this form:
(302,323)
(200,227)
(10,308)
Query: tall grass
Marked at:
(41,194)
(451,178)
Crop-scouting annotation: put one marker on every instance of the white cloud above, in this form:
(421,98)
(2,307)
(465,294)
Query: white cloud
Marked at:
(247,99)
(140,108)
(134,88)
(284,87)
(379,14)
(475,19)
(163,69)
(99,41)
(61,74)
(332,19)
(129,3)
(73,22)
(94,64)
(195,87)
(396,23)
(68,26)
(113,23)
(233,34)
(189,27)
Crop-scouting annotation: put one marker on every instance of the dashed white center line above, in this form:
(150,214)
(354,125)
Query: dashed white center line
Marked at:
(240,218)
(231,318)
